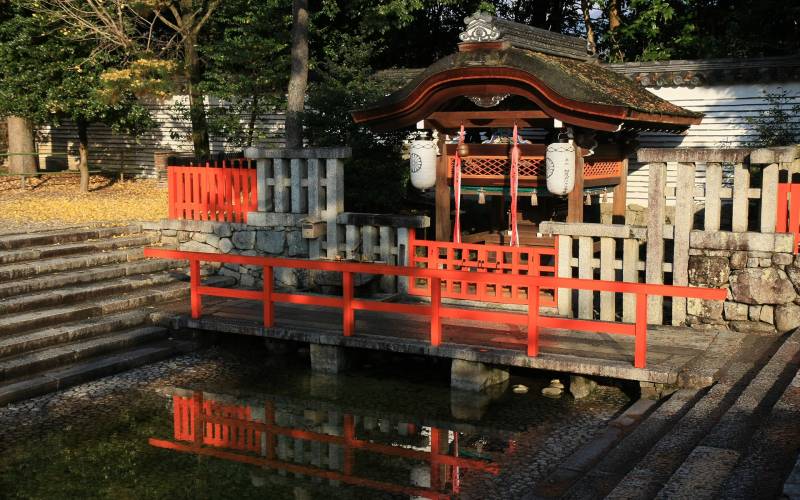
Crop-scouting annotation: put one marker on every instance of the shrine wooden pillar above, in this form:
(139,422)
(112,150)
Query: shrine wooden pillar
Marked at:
(575,198)
(620,206)
(442,194)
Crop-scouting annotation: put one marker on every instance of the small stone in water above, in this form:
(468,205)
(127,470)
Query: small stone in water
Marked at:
(520,389)
(557,384)
(552,392)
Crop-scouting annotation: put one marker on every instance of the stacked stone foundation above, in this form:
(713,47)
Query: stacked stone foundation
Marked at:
(760,273)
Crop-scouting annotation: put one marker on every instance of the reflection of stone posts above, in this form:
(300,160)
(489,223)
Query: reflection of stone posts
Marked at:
(335,452)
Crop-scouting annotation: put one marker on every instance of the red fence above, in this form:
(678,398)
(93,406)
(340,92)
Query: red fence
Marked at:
(435,311)
(212,193)
(788,220)
(488,259)
(210,427)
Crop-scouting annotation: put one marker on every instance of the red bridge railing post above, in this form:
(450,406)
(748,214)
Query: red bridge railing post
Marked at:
(436,304)
(194,286)
(640,342)
(348,313)
(269,309)
(533,320)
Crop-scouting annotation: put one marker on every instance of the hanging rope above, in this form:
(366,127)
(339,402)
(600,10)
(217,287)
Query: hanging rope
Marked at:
(515,153)
(457,188)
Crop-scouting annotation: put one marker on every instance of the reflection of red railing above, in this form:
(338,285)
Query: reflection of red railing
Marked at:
(491,259)
(788,220)
(435,311)
(232,427)
(215,194)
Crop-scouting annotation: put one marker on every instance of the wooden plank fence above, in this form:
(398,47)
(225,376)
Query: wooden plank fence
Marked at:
(756,201)
(208,193)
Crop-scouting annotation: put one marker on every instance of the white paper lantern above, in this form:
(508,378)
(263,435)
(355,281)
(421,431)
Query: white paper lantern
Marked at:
(560,161)
(423,163)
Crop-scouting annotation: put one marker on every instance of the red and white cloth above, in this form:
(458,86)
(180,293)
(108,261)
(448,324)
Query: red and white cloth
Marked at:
(457,188)
(515,154)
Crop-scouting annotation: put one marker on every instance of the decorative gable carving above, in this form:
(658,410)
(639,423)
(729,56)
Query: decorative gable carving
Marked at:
(479,28)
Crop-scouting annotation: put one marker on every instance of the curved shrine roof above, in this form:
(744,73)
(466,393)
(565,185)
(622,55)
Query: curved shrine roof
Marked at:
(574,89)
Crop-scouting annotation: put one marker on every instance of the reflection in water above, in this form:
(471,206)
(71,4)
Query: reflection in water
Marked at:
(376,452)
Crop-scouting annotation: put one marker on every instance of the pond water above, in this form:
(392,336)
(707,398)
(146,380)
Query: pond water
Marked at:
(389,428)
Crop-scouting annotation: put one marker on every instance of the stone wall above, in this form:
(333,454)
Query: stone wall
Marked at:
(278,240)
(760,272)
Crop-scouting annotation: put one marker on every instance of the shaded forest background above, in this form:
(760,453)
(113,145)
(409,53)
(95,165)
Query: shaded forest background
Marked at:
(54,67)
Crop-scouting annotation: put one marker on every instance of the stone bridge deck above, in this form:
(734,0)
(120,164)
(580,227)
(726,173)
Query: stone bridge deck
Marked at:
(675,356)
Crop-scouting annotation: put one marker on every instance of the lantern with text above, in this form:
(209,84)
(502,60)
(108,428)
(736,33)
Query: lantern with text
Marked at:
(560,168)
(423,163)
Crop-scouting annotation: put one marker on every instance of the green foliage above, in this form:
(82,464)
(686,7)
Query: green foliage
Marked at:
(245,49)
(375,177)
(777,125)
(47,76)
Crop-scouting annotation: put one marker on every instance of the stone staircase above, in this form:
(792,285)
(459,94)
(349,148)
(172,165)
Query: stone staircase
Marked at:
(736,439)
(74,305)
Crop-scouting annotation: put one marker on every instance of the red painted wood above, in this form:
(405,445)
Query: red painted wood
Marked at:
(494,259)
(194,285)
(269,307)
(435,311)
(788,208)
(640,347)
(794,214)
(348,314)
(533,322)
(436,317)
(207,193)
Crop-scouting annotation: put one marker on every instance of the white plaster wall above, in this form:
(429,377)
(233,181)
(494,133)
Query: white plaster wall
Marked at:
(725,125)
(110,150)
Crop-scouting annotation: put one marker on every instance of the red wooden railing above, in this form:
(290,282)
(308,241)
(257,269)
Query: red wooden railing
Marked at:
(211,426)
(211,193)
(435,310)
(489,259)
(788,219)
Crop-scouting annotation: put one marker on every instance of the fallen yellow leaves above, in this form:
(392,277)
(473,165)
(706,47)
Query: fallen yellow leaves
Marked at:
(58,199)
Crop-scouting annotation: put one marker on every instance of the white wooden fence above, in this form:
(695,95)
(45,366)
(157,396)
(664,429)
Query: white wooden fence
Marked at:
(660,250)
(305,187)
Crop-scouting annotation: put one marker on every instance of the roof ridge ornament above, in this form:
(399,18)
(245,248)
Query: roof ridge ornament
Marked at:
(479,28)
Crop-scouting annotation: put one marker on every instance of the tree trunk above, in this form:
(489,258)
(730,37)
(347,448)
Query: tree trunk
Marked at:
(587,21)
(614,22)
(83,150)
(251,126)
(298,80)
(197,107)
(21,159)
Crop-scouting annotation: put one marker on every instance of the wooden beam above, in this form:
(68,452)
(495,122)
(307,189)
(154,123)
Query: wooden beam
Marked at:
(442,196)
(621,196)
(477,119)
(575,198)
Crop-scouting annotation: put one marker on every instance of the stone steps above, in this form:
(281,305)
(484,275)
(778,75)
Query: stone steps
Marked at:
(62,250)
(45,266)
(682,462)
(83,371)
(642,461)
(77,350)
(13,323)
(30,341)
(749,443)
(88,275)
(75,304)
(86,291)
(62,236)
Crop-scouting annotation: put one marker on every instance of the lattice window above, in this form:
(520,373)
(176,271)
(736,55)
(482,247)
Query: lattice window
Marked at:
(498,166)
(601,169)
